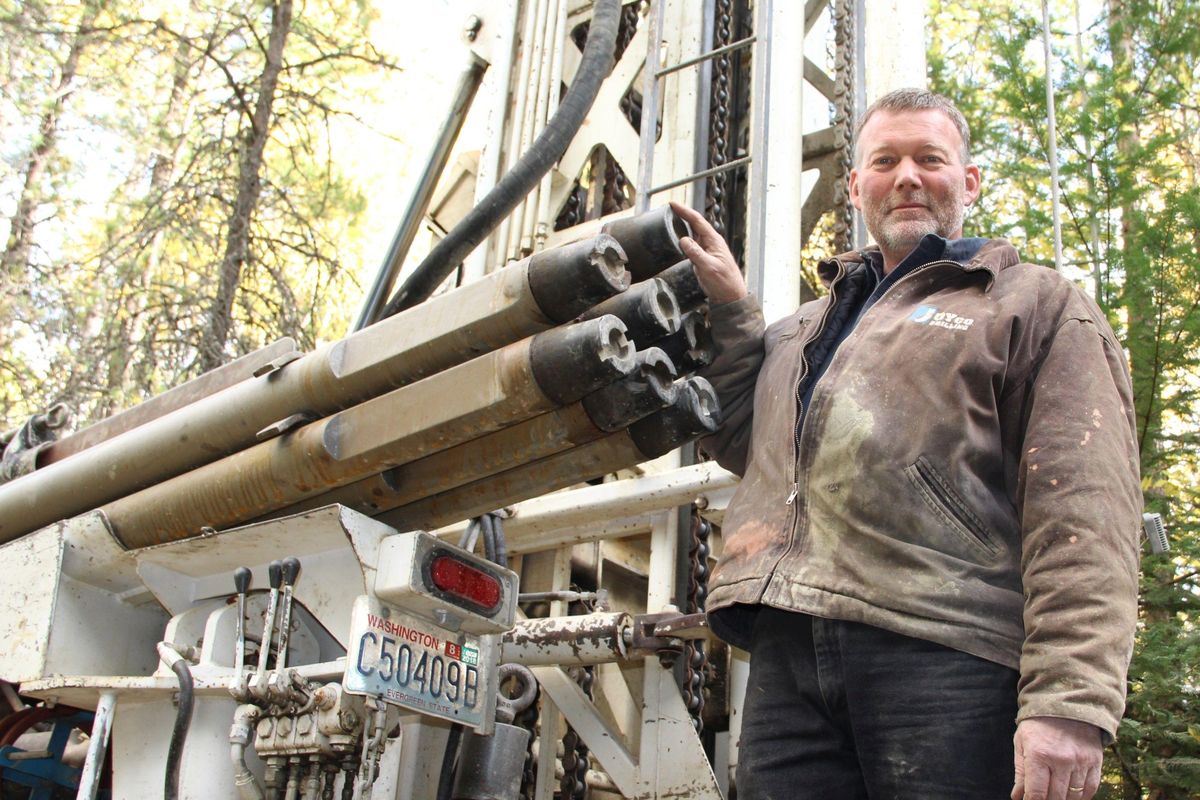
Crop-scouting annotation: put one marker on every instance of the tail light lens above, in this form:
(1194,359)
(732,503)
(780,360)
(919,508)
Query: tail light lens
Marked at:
(463,583)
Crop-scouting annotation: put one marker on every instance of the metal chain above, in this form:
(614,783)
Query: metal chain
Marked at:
(616,193)
(530,720)
(575,760)
(843,121)
(716,188)
(695,656)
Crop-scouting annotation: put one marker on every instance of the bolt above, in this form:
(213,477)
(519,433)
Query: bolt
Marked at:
(472,28)
(264,728)
(348,719)
(304,725)
(285,726)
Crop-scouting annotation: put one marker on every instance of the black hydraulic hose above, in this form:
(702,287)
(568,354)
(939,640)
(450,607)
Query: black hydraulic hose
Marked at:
(499,544)
(489,537)
(446,777)
(596,63)
(183,720)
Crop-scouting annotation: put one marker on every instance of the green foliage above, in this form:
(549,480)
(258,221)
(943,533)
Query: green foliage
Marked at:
(1128,135)
(134,205)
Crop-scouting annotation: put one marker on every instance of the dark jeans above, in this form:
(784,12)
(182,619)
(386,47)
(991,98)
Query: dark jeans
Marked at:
(841,711)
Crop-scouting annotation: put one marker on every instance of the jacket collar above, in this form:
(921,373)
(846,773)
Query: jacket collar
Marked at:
(995,255)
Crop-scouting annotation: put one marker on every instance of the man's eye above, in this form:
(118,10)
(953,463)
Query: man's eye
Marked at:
(934,160)
(884,160)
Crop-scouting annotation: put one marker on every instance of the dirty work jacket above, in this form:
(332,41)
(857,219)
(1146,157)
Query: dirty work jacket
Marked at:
(966,473)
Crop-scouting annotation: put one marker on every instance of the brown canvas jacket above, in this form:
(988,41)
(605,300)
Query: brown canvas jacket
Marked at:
(966,473)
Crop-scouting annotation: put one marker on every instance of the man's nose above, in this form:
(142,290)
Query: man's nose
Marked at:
(908,176)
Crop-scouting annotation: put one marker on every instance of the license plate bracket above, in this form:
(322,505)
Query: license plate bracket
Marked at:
(418,666)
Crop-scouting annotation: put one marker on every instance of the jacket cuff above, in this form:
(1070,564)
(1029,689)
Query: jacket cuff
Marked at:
(1092,715)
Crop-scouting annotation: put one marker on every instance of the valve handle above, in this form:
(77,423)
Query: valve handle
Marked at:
(291,570)
(241,579)
(275,573)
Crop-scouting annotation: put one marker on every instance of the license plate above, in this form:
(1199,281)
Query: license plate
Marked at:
(414,664)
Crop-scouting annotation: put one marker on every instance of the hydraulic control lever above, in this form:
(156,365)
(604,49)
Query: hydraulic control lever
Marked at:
(291,571)
(274,576)
(241,582)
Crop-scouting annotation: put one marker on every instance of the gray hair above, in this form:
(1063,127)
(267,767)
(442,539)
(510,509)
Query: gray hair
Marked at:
(917,100)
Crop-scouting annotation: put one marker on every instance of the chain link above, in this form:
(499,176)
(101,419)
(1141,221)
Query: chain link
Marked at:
(575,758)
(843,122)
(696,667)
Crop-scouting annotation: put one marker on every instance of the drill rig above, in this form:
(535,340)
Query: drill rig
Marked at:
(463,551)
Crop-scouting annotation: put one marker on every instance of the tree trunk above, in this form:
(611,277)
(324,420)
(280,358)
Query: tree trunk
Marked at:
(1138,297)
(237,241)
(15,260)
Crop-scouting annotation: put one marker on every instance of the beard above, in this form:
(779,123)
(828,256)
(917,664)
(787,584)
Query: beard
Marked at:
(900,231)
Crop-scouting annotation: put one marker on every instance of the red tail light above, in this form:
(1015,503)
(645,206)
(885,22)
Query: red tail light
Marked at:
(465,583)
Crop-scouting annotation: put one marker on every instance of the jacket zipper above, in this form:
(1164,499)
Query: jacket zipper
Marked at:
(795,491)
(791,498)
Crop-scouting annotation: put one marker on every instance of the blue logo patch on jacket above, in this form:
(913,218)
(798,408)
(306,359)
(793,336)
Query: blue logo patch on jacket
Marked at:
(923,314)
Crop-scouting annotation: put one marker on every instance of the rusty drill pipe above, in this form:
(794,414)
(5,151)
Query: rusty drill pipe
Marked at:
(681,280)
(452,328)
(647,389)
(694,413)
(648,310)
(691,347)
(651,240)
(497,389)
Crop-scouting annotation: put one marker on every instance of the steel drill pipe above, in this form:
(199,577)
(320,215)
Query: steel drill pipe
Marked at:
(651,240)
(504,307)
(691,347)
(694,413)
(211,382)
(681,280)
(610,408)
(497,389)
(648,310)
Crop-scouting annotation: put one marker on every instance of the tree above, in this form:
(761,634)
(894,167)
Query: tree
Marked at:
(224,222)
(1128,138)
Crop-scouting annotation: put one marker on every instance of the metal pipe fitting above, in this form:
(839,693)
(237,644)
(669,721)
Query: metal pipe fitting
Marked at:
(691,347)
(681,279)
(651,240)
(244,780)
(648,309)
(568,280)
(650,388)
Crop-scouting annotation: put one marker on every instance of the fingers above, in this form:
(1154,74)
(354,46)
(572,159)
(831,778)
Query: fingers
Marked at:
(702,231)
(1018,792)
(1056,759)
(718,273)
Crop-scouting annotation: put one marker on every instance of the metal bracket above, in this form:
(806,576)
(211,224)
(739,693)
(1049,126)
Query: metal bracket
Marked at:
(664,634)
(284,425)
(277,364)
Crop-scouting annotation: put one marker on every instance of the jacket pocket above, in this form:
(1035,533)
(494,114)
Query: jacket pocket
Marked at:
(942,498)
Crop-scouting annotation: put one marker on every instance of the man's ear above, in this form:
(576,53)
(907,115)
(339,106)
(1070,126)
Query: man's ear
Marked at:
(855,197)
(973,183)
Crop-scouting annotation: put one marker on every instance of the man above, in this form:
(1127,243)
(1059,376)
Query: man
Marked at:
(932,554)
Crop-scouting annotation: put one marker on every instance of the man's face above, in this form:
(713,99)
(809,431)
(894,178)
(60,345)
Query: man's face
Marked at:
(910,180)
